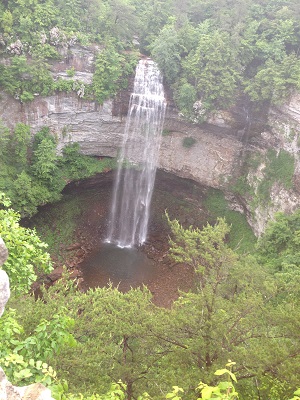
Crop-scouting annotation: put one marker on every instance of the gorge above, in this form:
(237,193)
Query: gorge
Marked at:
(101,309)
(219,158)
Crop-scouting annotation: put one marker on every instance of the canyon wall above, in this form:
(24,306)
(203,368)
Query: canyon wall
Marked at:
(216,159)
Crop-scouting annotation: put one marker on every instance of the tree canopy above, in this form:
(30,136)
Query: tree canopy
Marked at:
(239,308)
(210,52)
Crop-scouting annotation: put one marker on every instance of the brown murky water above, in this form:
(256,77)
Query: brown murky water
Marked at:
(149,265)
(124,267)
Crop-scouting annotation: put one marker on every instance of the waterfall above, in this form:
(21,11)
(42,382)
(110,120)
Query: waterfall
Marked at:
(137,161)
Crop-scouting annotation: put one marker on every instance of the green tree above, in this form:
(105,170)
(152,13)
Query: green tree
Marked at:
(229,312)
(27,256)
(19,146)
(279,245)
(152,16)
(213,70)
(6,170)
(186,96)
(7,22)
(28,193)
(166,51)
(124,347)
(121,22)
(274,81)
(44,160)
(110,67)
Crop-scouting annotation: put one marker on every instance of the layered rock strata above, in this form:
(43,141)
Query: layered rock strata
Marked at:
(215,159)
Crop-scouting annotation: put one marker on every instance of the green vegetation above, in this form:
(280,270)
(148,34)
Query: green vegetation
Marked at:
(279,168)
(241,238)
(111,71)
(279,246)
(62,228)
(27,257)
(266,170)
(241,307)
(210,52)
(244,304)
(32,174)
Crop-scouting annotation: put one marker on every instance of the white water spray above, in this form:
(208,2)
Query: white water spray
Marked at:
(140,149)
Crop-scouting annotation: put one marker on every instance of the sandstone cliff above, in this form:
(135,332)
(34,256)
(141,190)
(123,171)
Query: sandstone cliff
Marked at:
(216,159)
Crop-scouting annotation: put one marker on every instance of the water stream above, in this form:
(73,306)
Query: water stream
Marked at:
(137,161)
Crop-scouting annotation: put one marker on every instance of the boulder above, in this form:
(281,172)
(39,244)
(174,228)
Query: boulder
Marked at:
(36,391)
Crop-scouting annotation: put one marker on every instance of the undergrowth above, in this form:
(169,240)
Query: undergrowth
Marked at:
(60,233)
(241,238)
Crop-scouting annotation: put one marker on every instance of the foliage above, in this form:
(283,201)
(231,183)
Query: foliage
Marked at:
(186,96)
(279,168)
(111,68)
(235,309)
(296,395)
(24,358)
(24,79)
(19,146)
(202,249)
(230,312)
(166,51)
(32,173)
(210,51)
(224,390)
(27,256)
(213,70)
(240,237)
(62,230)
(274,81)
(279,246)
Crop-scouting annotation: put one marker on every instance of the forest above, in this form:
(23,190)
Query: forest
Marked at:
(210,52)
(235,334)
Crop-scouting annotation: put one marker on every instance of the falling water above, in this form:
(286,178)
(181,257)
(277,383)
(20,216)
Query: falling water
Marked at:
(134,183)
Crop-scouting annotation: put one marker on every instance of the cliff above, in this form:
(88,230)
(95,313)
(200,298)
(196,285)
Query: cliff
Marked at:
(218,158)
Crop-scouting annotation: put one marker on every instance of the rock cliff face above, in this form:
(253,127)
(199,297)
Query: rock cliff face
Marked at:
(209,161)
(215,159)
(282,134)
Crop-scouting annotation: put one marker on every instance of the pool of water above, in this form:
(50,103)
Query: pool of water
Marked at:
(123,267)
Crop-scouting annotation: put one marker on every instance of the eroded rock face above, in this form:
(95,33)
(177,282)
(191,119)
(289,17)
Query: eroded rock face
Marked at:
(283,134)
(209,161)
(36,391)
(214,160)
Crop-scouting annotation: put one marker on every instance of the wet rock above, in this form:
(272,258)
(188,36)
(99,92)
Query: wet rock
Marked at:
(56,274)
